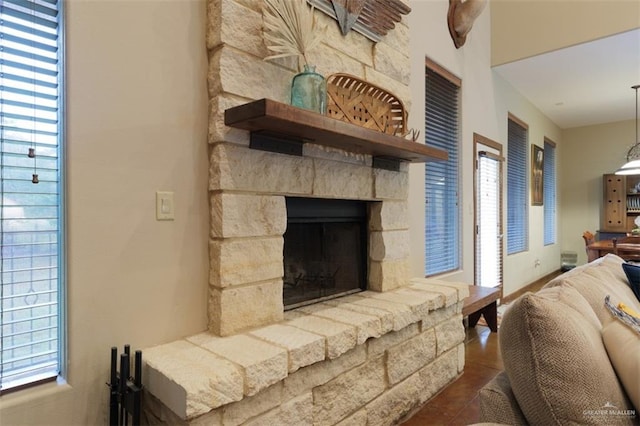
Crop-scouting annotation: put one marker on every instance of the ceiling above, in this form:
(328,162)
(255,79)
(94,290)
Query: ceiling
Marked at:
(582,85)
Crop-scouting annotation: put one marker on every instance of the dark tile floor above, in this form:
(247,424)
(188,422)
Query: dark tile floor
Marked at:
(458,404)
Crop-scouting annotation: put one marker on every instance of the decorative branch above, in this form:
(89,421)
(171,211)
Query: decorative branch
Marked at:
(414,134)
(290,29)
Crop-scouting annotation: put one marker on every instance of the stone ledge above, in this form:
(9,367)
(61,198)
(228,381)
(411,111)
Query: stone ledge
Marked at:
(462,288)
(262,364)
(202,372)
(304,348)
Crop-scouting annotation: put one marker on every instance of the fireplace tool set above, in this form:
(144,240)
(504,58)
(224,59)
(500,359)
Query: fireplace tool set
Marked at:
(126,390)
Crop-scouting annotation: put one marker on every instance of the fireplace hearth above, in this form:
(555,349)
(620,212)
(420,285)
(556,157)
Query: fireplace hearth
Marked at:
(324,250)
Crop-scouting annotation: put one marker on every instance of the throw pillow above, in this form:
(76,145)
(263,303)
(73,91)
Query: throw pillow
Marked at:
(623,347)
(557,364)
(633,275)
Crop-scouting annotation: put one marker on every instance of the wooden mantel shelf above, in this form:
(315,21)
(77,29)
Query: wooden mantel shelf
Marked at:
(307,126)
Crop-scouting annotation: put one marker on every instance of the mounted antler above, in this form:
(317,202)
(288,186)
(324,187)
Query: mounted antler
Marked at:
(460,18)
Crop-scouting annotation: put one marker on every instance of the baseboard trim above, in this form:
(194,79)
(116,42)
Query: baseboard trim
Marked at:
(534,286)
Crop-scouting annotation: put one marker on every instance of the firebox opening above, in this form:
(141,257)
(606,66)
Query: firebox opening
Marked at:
(325,250)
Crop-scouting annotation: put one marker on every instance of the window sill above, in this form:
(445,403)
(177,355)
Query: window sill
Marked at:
(55,387)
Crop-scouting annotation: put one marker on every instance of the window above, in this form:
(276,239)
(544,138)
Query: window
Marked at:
(442,231)
(517,207)
(488,182)
(31,190)
(549,178)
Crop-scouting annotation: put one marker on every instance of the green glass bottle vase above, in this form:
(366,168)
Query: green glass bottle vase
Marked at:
(309,90)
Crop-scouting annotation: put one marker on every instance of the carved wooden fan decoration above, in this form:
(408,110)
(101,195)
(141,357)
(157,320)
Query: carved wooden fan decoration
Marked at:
(372,18)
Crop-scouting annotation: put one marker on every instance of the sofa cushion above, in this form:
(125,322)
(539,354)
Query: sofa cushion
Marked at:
(597,280)
(556,361)
(498,404)
(610,261)
(614,263)
(623,346)
(633,275)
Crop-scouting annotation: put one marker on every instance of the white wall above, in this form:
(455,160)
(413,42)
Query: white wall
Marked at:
(136,123)
(588,153)
(486,101)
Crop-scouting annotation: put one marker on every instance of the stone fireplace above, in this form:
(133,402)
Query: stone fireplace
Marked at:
(374,344)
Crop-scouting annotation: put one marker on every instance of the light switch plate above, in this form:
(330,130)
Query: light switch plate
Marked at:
(165,209)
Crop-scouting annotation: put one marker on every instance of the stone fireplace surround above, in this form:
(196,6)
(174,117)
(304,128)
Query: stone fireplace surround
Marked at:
(368,358)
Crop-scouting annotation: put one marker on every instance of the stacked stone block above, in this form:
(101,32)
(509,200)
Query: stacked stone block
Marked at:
(328,364)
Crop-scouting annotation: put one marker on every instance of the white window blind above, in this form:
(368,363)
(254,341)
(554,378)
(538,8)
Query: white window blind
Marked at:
(549,178)
(30,186)
(517,207)
(442,230)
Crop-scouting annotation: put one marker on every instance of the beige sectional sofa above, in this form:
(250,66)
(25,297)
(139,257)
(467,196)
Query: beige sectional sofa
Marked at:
(567,358)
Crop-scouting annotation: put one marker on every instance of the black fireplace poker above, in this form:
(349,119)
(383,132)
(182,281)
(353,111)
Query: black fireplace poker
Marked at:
(125,390)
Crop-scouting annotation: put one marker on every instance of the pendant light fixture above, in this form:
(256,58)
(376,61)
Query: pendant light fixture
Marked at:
(632,166)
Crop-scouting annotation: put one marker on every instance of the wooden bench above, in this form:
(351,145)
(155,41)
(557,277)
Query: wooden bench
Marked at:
(482,301)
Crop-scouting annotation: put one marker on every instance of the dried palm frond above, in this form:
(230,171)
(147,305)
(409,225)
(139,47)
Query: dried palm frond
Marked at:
(290,29)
